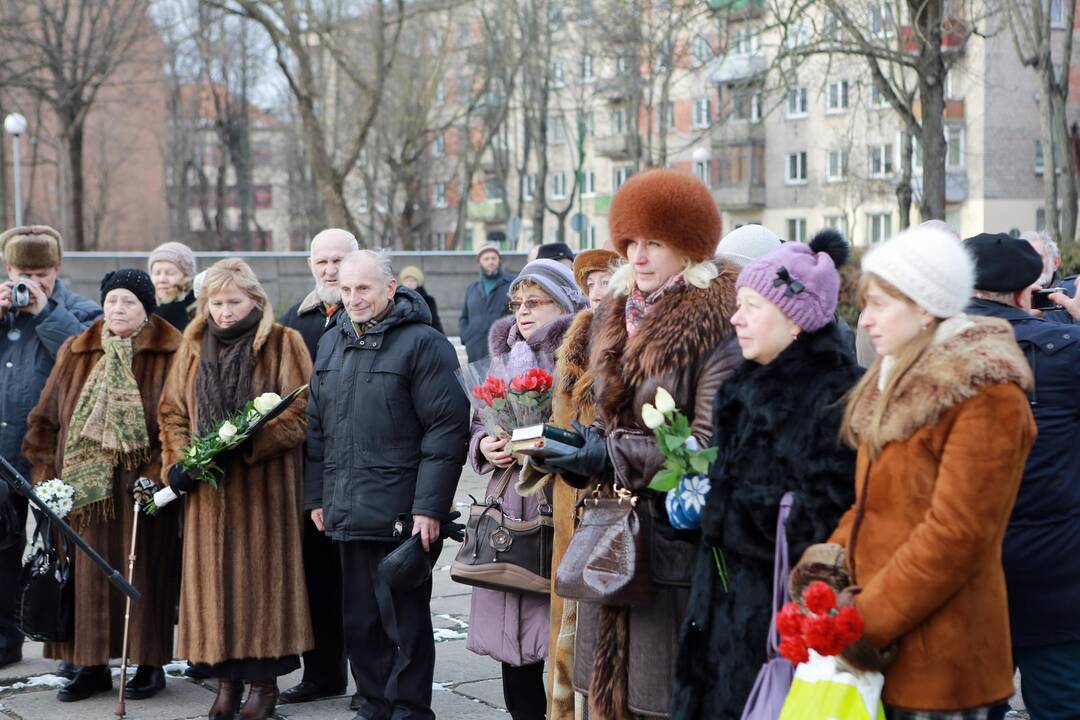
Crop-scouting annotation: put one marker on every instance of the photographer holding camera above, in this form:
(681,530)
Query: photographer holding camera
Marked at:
(36,316)
(1041,551)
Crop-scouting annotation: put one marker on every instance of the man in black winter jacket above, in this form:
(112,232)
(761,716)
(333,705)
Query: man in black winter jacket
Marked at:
(485,302)
(388,428)
(324,666)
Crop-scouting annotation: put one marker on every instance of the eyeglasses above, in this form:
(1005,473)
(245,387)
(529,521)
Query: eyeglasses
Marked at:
(531,304)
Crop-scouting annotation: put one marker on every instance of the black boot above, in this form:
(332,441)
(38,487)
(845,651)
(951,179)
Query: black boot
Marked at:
(88,681)
(148,682)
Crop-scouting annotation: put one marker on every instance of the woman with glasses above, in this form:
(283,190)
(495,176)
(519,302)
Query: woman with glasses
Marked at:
(513,627)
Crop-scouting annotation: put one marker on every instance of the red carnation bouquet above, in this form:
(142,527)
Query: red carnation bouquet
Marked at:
(816,623)
(505,400)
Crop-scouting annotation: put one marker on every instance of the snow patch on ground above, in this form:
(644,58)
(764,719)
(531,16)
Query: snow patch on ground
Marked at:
(444,634)
(37,681)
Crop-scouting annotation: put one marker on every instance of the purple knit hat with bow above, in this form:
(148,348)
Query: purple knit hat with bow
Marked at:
(801,280)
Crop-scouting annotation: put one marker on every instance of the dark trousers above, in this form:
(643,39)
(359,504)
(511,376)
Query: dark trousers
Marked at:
(325,664)
(523,691)
(1050,680)
(10,569)
(388,635)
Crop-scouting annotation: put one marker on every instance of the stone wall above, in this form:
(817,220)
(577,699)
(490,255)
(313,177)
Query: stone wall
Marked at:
(287,279)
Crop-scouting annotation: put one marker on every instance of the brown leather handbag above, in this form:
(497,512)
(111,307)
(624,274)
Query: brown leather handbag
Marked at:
(502,553)
(607,561)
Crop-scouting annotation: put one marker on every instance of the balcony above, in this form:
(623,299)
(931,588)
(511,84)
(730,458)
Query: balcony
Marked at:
(737,133)
(616,147)
(488,211)
(620,88)
(738,68)
(745,195)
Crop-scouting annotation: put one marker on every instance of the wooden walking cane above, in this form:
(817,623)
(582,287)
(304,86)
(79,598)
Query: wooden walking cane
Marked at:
(120,709)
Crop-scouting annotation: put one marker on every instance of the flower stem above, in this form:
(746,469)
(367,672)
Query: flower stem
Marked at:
(721,567)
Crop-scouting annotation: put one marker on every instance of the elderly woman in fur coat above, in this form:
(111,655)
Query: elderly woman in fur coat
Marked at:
(513,627)
(95,426)
(243,606)
(663,324)
(777,425)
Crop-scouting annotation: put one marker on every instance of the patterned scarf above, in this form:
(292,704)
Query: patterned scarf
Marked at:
(638,306)
(107,429)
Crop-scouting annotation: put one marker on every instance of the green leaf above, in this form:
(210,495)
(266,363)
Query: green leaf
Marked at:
(700,463)
(710,453)
(664,480)
(674,443)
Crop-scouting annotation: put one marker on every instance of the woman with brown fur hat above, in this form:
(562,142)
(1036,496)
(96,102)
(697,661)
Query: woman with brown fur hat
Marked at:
(663,324)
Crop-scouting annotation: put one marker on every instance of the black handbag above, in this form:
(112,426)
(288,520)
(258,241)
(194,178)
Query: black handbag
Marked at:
(46,607)
(502,553)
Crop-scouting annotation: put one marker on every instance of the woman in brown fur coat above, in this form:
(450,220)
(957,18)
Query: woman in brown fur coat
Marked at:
(663,324)
(243,606)
(117,367)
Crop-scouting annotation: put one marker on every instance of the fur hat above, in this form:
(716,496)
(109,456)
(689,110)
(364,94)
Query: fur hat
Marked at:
(32,246)
(590,261)
(178,254)
(136,281)
(667,205)
(745,244)
(412,271)
(801,280)
(928,265)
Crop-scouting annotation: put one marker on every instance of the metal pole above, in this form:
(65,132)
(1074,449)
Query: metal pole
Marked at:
(18,181)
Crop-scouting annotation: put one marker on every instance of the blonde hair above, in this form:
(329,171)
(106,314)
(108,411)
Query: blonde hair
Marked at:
(903,362)
(700,275)
(231,273)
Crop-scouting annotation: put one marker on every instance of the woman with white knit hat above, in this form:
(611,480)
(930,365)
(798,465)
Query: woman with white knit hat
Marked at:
(943,428)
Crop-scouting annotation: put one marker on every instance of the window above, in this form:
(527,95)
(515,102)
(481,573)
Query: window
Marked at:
(878,227)
(558,74)
(438,148)
(556,130)
(263,196)
(833,28)
(837,222)
(701,50)
(795,168)
(837,101)
(798,35)
(1040,219)
(619,124)
(1057,14)
(463,33)
(796,229)
(668,119)
(493,188)
(558,185)
(954,147)
(439,195)
(882,23)
(796,103)
(588,123)
(950,84)
(620,175)
(702,113)
(702,171)
(440,92)
(744,40)
(585,69)
(588,183)
(464,89)
(838,165)
(746,106)
(1040,163)
(440,240)
(877,99)
(881,160)
(624,63)
(365,204)
(529,191)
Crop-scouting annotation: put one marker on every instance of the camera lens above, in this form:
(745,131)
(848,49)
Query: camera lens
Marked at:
(20,295)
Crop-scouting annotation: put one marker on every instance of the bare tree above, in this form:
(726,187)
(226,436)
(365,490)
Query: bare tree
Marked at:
(1032,28)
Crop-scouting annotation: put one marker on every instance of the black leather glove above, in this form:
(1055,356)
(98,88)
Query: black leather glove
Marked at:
(584,462)
(452,530)
(181,481)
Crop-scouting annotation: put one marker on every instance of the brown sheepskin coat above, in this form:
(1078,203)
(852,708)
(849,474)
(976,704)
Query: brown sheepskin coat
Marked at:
(687,346)
(243,593)
(934,506)
(99,609)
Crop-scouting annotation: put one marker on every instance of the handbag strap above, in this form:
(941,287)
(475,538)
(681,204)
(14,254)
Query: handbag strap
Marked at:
(781,570)
(495,498)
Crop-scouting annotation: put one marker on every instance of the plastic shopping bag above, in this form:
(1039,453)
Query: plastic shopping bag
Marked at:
(825,689)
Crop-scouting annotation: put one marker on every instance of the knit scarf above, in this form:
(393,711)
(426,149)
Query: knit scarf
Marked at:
(226,365)
(107,429)
(638,305)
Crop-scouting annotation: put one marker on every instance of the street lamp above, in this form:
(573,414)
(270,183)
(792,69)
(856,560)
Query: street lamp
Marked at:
(15,126)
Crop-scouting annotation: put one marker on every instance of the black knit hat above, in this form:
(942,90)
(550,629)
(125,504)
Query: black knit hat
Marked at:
(137,281)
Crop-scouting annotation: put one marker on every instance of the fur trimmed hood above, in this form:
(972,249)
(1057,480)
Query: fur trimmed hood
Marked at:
(967,354)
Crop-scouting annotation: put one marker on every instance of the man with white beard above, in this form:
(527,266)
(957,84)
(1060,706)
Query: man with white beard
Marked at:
(324,667)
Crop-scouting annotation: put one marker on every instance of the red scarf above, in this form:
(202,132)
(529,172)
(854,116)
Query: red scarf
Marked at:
(638,306)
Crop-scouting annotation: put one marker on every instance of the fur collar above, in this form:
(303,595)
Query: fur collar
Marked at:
(573,375)
(679,329)
(545,340)
(158,336)
(197,327)
(967,354)
(310,303)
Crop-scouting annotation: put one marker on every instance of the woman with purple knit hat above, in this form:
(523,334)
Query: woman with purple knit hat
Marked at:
(776,422)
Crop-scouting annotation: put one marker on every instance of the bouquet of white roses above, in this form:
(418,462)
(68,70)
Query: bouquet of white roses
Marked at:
(57,495)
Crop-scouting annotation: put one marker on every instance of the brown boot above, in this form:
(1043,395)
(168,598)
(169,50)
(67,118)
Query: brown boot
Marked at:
(227,702)
(261,700)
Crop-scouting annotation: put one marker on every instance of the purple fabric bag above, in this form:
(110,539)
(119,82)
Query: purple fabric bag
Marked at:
(774,679)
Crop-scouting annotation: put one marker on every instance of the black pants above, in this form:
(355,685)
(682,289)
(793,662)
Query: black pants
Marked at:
(10,569)
(389,637)
(325,664)
(523,691)
(1050,680)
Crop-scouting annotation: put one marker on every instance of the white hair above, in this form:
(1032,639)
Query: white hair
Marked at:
(1033,236)
(380,258)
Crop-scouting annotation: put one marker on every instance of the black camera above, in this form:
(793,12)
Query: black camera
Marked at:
(1040,299)
(20,295)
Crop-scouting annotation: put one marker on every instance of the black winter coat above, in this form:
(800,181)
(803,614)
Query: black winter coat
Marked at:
(388,424)
(178,312)
(308,318)
(777,427)
(479,312)
(435,321)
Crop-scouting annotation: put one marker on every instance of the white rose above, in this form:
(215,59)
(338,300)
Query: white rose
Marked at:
(227,432)
(653,418)
(267,402)
(664,402)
